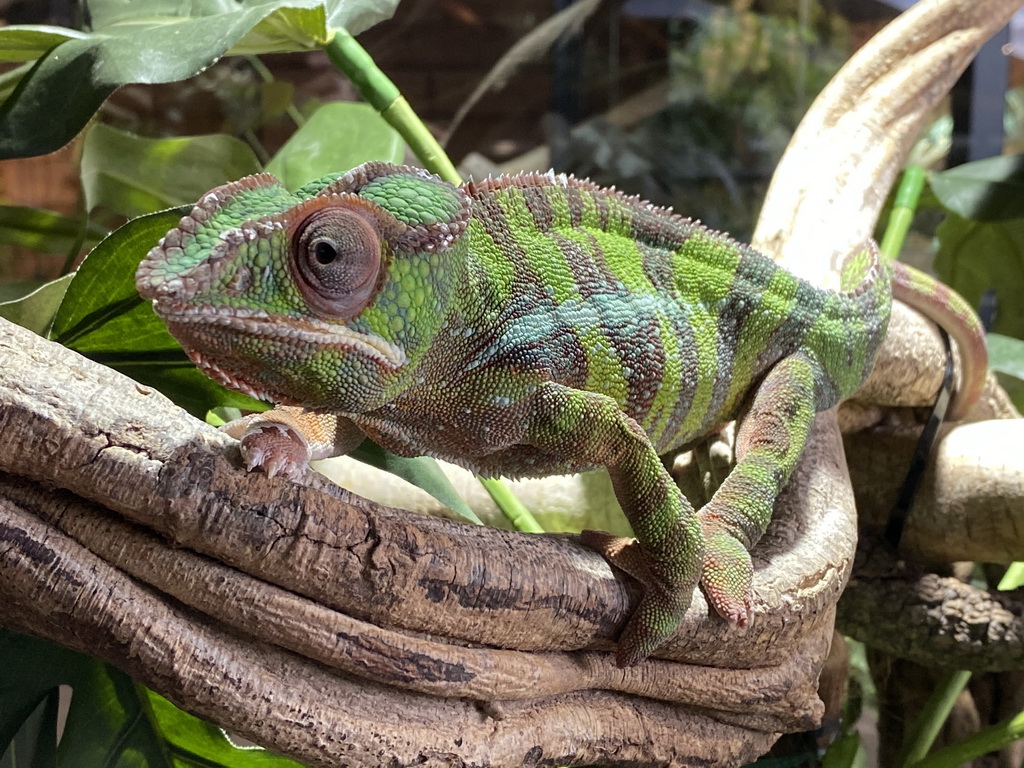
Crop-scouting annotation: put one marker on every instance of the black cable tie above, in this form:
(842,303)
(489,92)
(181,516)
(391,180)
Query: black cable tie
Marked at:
(922,452)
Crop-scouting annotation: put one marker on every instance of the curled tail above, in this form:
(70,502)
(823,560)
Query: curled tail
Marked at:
(947,308)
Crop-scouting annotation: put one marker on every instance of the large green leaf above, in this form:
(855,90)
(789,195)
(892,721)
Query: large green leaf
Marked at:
(105,722)
(36,310)
(149,41)
(1006,359)
(27,43)
(133,175)
(985,190)
(103,317)
(979,257)
(339,136)
(111,721)
(194,742)
(35,743)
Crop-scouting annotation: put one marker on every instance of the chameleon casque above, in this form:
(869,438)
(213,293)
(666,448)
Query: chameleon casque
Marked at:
(532,325)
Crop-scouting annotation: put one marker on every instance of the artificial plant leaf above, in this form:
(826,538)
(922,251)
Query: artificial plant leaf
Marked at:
(1006,359)
(104,318)
(421,471)
(150,41)
(338,136)
(27,43)
(187,737)
(132,175)
(107,722)
(985,190)
(36,309)
(1006,355)
(111,721)
(977,257)
(44,231)
(35,743)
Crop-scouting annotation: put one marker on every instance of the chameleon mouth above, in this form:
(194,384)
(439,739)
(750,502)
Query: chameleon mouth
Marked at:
(263,325)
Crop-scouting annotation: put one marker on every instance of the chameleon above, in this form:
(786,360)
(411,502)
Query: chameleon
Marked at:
(532,325)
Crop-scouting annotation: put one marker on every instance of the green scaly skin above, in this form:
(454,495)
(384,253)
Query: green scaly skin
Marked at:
(527,326)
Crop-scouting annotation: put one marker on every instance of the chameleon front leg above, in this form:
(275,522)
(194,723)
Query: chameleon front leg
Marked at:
(768,446)
(286,438)
(668,551)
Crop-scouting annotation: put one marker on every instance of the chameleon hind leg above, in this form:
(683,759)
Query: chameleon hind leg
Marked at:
(667,554)
(768,446)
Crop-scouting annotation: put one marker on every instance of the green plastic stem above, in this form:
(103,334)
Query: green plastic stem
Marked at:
(984,741)
(928,724)
(355,63)
(903,208)
(511,507)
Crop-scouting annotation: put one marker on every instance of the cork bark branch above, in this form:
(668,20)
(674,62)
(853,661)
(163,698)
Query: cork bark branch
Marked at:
(335,630)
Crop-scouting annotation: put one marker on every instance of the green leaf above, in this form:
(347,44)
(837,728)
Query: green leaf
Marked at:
(133,175)
(108,723)
(111,720)
(1006,355)
(27,43)
(1006,359)
(149,42)
(337,137)
(977,257)
(421,471)
(103,317)
(35,743)
(44,231)
(36,310)
(1013,578)
(103,723)
(9,80)
(985,190)
(188,737)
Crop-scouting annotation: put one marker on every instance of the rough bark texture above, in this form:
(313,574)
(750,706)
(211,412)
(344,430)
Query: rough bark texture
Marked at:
(341,632)
(938,621)
(163,557)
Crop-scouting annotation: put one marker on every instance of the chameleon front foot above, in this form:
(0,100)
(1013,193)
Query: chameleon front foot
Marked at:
(667,596)
(270,446)
(282,441)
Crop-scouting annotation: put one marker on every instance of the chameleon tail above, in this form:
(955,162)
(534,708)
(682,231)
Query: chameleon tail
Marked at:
(950,310)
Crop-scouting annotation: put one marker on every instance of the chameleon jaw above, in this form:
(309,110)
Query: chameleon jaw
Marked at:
(263,325)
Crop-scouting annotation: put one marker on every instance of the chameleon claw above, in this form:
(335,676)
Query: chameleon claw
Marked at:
(276,449)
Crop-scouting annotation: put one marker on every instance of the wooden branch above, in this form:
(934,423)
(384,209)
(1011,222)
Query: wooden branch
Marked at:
(156,508)
(929,619)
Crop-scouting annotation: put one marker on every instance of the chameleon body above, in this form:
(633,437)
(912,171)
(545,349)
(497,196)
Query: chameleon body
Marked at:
(525,326)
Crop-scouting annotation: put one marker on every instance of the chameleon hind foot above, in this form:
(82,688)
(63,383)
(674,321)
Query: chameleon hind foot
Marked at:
(665,600)
(727,576)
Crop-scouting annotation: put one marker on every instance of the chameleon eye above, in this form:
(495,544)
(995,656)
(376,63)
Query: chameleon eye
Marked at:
(336,253)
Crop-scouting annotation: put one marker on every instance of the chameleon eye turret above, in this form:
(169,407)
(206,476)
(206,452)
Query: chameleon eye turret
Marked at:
(336,258)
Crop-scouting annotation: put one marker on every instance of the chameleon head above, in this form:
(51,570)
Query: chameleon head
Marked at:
(327,294)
